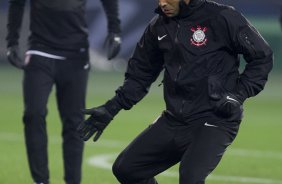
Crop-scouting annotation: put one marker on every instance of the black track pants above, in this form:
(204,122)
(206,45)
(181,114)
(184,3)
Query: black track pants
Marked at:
(70,80)
(197,146)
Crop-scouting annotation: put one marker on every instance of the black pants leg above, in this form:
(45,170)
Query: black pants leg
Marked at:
(37,84)
(71,82)
(205,151)
(148,155)
(198,149)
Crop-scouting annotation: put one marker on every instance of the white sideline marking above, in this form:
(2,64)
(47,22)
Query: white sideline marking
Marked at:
(105,161)
(13,137)
(255,153)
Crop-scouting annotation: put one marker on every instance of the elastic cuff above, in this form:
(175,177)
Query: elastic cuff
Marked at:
(240,92)
(113,107)
(241,95)
(11,44)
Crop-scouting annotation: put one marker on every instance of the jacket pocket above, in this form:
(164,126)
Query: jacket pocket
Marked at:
(215,87)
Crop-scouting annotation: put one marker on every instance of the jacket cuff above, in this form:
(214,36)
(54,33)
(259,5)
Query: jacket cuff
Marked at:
(113,106)
(241,94)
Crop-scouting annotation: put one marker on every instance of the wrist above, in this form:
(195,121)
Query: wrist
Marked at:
(114,27)
(11,46)
(241,96)
(12,43)
(113,107)
(240,92)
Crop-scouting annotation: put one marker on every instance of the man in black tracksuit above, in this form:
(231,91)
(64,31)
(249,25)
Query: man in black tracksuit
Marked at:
(197,43)
(57,54)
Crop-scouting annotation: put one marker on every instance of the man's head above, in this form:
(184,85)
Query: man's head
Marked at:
(171,7)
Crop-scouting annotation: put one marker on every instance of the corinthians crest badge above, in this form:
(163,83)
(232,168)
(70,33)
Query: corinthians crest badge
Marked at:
(199,37)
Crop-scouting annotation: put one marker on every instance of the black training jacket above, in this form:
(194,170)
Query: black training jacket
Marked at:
(57,26)
(199,52)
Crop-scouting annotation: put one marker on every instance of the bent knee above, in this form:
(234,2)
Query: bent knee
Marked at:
(120,169)
(192,176)
(124,172)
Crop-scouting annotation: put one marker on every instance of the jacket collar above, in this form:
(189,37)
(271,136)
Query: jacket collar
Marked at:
(185,10)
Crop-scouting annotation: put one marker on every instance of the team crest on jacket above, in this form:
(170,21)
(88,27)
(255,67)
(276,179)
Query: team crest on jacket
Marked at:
(199,37)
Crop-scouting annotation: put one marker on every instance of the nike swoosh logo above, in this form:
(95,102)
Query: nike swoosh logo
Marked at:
(229,98)
(162,37)
(210,125)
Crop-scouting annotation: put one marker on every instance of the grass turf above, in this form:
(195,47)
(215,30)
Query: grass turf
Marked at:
(255,156)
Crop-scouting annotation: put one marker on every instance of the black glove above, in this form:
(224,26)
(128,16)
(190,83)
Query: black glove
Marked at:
(99,119)
(13,56)
(228,104)
(112,44)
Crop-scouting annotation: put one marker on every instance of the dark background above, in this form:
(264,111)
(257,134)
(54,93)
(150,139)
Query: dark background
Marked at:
(135,15)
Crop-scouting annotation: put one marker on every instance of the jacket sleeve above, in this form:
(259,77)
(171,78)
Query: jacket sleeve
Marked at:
(111,10)
(15,16)
(143,69)
(246,40)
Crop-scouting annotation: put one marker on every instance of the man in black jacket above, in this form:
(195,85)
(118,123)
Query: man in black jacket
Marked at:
(197,43)
(58,54)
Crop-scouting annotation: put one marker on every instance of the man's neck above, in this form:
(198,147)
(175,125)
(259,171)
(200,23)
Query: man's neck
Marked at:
(186,1)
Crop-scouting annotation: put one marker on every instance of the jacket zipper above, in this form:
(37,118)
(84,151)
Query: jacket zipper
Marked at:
(182,106)
(179,68)
(176,41)
(246,38)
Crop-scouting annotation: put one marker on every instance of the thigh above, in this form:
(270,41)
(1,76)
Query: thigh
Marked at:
(71,85)
(152,152)
(37,83)
(205,152)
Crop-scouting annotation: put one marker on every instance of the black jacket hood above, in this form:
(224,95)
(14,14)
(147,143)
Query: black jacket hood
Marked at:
(185,9)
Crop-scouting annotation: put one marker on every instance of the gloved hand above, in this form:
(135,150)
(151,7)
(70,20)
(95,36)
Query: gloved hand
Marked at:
(227,104)
(99,119)
(112,45)
(13,56)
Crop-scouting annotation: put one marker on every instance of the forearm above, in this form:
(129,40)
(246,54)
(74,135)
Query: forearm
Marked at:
(259,58)
(257,53)
(111,10)
(15,16)
(130,94)
(143,69)
(255,75)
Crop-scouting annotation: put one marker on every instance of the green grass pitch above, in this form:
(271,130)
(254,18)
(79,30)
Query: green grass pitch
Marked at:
(254,158)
